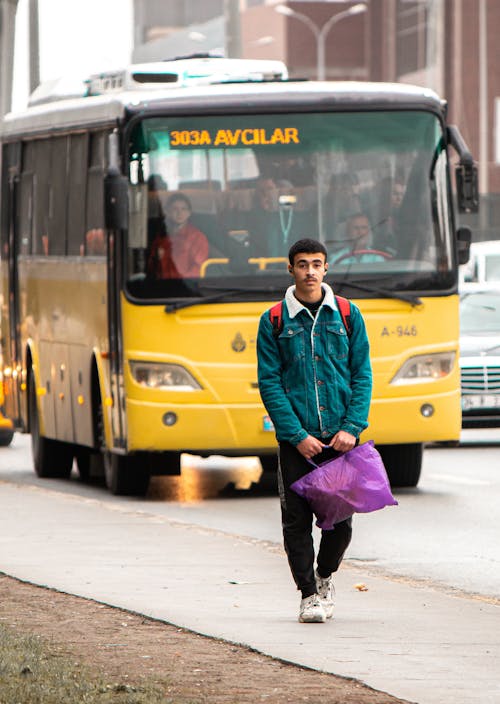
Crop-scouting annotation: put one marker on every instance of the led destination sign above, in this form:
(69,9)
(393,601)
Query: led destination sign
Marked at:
(246,137)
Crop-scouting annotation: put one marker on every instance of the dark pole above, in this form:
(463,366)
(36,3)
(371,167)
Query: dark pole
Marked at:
(8,10)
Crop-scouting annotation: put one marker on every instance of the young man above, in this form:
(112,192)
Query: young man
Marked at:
(315,381)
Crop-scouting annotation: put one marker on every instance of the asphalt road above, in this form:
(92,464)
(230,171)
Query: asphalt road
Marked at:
(444,532)
(203,551)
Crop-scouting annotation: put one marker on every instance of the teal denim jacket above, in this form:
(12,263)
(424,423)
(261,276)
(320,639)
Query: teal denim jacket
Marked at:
(313,378)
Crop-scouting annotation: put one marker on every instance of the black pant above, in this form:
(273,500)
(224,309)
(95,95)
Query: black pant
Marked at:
(297,517)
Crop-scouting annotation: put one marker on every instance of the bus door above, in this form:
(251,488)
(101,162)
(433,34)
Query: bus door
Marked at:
(12,233)
(115,340)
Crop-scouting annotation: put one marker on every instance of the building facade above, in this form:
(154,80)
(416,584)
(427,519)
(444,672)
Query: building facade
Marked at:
(447,45)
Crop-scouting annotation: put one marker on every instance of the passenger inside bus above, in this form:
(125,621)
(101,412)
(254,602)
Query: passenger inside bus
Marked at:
(359,246)
(389,200)
(296,169)
(179,248)
(341,201)
(156,182)
(270,223)
(95,242)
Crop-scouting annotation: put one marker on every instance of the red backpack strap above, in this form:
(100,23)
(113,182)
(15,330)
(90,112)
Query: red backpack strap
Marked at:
(344,307)
(276,318)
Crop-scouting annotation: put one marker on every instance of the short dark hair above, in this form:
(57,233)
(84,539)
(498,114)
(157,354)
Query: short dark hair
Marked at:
(306,246)
(178,196)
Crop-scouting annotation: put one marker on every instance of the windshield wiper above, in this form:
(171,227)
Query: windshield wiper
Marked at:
(188,302)
(406,297)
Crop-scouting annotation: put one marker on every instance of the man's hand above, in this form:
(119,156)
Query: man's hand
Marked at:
(309,447)
(343,441)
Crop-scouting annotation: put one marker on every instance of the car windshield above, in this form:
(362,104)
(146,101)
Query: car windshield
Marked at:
(216,202)
(480,312)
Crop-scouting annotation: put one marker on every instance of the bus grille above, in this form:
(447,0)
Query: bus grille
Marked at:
(479,380)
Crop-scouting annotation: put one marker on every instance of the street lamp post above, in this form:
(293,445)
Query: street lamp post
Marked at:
(8,10)
(320,33)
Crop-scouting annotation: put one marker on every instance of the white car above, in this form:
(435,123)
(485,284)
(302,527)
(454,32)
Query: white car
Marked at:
(483,266)
(480,357)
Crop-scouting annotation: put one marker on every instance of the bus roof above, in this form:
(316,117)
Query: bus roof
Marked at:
(238,97)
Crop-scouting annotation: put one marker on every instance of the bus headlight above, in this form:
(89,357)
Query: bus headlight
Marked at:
(163,376)
(424,368)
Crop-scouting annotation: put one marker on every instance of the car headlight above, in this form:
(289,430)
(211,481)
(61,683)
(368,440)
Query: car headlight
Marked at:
(424,368)
(173,377)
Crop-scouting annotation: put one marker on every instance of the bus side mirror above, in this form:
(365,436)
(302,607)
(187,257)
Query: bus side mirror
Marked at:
(465,172)
(116,201)
(467,188)
(464,237)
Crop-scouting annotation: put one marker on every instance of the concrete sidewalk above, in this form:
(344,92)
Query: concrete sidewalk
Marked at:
(413,642)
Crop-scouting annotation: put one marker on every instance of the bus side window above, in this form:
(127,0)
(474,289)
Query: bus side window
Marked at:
(95,241)
(57,216)
(77,192)
(41,197)
(25,202)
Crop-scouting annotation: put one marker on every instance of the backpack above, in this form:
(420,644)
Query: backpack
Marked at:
(344,306)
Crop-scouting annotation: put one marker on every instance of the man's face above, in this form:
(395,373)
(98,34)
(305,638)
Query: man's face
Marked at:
(358,231)
(308,271)
(267,194)
(397,195)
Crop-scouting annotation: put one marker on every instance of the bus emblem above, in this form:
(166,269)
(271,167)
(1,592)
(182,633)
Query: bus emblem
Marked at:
(238,344)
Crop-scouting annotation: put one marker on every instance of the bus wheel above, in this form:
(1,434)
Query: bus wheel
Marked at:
(90,465)
(268,481)
(6,437)
(124,475)
(269,463)
(52,459)
(403,463)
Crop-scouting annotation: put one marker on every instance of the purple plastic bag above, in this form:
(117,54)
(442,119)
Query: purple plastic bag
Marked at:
(355,482)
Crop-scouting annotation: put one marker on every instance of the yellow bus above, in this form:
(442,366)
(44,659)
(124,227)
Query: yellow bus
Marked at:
(145,226)
(6,425)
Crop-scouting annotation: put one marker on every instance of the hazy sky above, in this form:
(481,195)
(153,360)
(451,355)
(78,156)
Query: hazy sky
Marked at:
(77,37)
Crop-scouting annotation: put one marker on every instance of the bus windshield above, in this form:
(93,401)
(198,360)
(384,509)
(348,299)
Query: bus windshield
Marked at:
(216,202)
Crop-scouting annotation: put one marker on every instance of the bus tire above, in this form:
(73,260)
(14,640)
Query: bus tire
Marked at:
(269,463)
(124,475)
(268,481)
(52,459)
(90,465)
(403,463)
(6,437)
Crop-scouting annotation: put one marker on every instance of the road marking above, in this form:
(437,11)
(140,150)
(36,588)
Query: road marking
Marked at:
(459,480)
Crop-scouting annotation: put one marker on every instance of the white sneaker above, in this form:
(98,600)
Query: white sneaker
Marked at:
(311,610)
(326,593)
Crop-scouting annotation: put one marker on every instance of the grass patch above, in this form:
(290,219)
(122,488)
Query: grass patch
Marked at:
(32,671)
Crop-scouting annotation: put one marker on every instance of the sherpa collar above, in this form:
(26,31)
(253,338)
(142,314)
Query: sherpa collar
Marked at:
(294,306)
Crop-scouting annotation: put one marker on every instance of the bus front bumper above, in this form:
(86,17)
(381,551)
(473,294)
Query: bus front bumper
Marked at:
(208,429)
(415,419)
(246,427)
